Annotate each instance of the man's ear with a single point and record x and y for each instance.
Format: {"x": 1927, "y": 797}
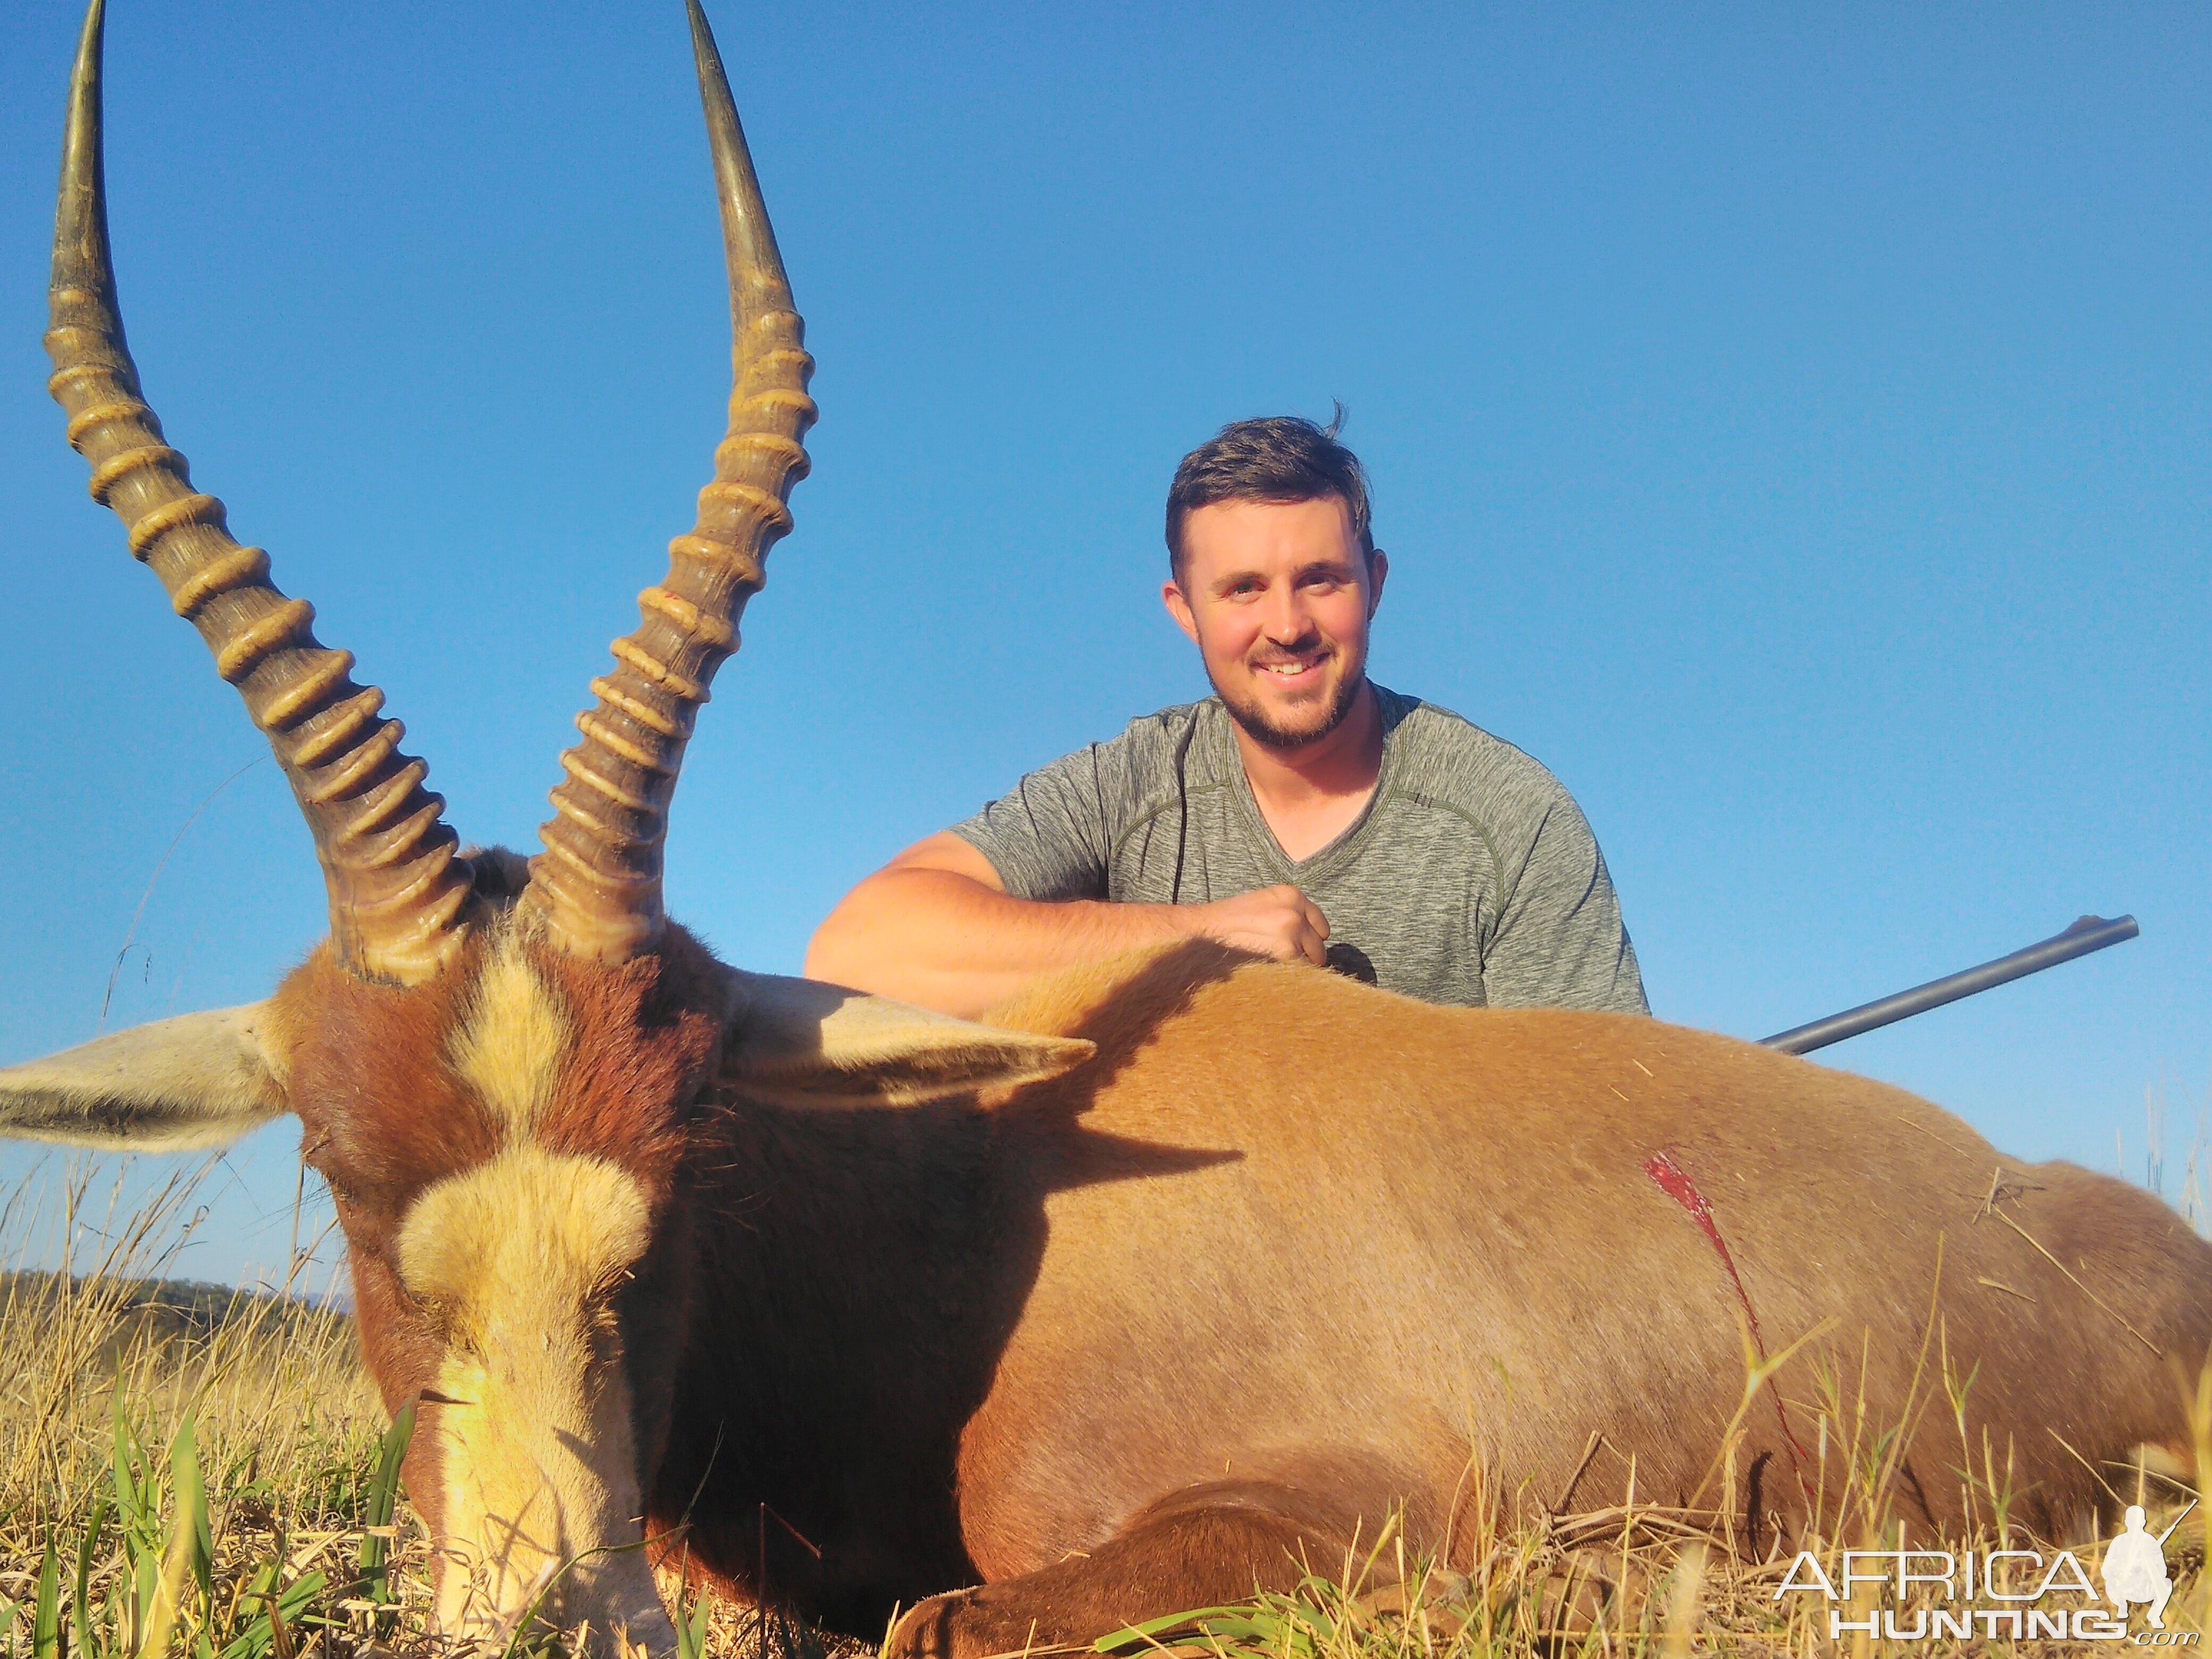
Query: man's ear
{"x": 1379, "y": 567}
{"x": 1178, "y": 605}
{"x": 803, "y": 1040}
{"x": 198, "y": 1080}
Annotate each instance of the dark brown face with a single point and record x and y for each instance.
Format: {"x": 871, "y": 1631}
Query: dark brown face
{"x": 505, "y": 1145}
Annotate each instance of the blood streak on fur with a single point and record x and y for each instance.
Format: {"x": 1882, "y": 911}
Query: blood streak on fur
{"x": 1674, "y": 1181}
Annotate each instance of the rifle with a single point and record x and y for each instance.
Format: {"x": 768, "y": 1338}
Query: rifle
{"x": 2176, "y": 1522}
{"x": 2089, "y": 934}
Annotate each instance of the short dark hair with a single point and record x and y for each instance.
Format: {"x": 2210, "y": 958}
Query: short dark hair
{"x": 1276, "y": 458}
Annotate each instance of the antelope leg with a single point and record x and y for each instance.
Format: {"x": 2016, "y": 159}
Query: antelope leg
{"x": 1216, "y": 1544}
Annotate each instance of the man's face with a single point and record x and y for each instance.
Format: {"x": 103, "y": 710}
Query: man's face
{"x": 1277, "y": 598}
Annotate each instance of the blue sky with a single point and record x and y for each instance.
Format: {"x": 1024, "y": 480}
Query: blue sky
{"x": 1793, "y": 426}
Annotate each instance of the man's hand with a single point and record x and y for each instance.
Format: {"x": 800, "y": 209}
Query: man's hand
{"x": 1275, "y": 921}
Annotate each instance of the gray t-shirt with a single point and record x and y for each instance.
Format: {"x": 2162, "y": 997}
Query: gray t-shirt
{"x": 1470, "y": 878}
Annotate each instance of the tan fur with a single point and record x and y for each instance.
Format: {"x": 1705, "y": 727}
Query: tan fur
{"x": 521, "y": 1258}
{"x": 1429, "y": 1235}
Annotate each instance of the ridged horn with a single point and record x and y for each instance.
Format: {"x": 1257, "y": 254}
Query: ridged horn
{"x": 396, "y": 882}
{"x": 596, "y": 883}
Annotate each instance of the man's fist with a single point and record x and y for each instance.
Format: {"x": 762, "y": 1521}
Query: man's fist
{"x": 1276, "y": 921}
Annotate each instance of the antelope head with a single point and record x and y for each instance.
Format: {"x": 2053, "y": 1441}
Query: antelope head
{"x": 499, "y": 1068}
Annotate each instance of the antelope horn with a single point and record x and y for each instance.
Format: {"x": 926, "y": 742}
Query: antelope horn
{"x": 396, "y": 884}
{"x": 596, "y": 885}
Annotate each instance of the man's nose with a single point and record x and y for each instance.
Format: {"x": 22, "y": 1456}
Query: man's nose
{"x": 1287, "y": 620}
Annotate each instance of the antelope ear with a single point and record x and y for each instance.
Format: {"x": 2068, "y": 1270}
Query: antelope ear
{"x": 198, "y": 1080}
{"x": 801, "y": 1039}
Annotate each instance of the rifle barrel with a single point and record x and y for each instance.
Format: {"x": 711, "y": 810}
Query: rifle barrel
{"x": 2176, "y": 1522}
{"x": 2089, "y": 934}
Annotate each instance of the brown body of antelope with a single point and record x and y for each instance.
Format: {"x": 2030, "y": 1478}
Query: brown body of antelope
{"x": 1170, "y": 1279}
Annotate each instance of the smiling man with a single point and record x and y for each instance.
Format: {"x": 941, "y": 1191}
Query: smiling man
{"x": 1301, "y": 813}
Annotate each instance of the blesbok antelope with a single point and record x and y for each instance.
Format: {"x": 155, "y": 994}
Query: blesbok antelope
{"x": 1170, "y": 1273}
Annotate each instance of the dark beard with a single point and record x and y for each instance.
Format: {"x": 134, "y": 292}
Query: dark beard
{"x": 1256, "y": 725}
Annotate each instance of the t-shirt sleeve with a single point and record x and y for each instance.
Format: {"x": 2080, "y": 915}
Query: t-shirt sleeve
{"x": 1559, "y": 941}
{"x": 1048, "y": 837}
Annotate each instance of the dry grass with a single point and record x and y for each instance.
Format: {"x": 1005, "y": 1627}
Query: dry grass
{"x": 109, "y": 1372}
{"x": 280, "y": 1402}
{"x": 247, "y": 1513}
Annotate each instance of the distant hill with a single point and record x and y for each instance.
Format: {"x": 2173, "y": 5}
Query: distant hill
{"x": 166, "y": 1310}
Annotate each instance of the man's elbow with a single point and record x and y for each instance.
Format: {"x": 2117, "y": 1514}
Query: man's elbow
{"x": 870, "y": 940}
{"x": 840, "y": 949}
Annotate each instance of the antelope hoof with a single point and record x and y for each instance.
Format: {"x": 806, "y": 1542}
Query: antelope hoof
{"x": 932, "y": 1630}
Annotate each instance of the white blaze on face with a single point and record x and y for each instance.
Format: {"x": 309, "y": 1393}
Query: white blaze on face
{"x": 521, "y": 1259}
{"x": 511, "y": 1047}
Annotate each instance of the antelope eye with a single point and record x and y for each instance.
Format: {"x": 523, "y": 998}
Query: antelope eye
{"x": 435, "y": 1310}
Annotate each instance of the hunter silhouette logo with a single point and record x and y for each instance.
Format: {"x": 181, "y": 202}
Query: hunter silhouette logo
{"x": 2135, "y": 1566}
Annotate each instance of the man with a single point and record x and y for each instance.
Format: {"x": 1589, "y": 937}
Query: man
{"x": 1302, "y": 812}
{"x": 2134, "y": 1568}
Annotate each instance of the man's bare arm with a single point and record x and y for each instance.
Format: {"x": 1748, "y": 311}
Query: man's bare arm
{"x": 936, "y": 927}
